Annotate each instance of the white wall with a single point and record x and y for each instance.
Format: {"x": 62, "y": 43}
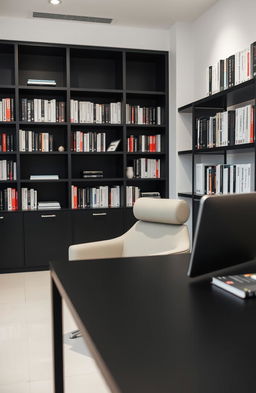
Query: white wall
{"x": 70, "y": 32}
{"x": 227, "y": 27}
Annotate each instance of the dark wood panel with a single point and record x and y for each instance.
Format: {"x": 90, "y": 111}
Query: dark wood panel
{"x": 47, "y": 237}
{"x": 94, "y": 225}
{"x": 11, "y": 240}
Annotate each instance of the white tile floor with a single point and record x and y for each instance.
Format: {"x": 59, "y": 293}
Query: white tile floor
{"x": 25, "y": 340}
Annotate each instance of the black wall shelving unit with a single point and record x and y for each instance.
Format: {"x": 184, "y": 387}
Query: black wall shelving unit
{"x": 209, "y": 106}
{"x": 30, "y": 239}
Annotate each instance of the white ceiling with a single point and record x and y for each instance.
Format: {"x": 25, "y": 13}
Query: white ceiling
{"x": 145, "y": 13}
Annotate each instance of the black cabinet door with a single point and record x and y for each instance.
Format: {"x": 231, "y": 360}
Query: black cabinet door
{"x": 47, "y": 237}
{"x": 11, "y": 240}
{"x": 94, "y": 225}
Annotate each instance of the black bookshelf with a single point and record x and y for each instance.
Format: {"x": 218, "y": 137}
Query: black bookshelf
{"x": 100, "y": 75}
{"x": 209, "y": 106}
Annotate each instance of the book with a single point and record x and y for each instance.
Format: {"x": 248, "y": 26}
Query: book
{"x": 41, "y": 82}
{"x": 44, "y": 177}
{"x": 242, "y": 285}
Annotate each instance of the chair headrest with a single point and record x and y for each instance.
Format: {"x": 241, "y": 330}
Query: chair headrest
{"x": 165, "y": 211}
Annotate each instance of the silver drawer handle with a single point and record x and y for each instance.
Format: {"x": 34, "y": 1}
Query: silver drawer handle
{"x": 1, "y": 217}
{"x": 99, "y": 214}
{"x": 48, "y": 215}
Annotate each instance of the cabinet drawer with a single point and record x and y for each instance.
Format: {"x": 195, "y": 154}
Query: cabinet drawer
{"x": 11, "y": 240}
{"x": 47, "y": 237}
{"x": 97, "y": 224}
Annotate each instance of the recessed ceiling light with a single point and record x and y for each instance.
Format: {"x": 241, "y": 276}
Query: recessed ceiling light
{"x": 55, "y": 2}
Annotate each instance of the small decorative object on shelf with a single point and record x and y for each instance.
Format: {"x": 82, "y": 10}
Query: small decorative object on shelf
{"x": 49, "y": 205}
{"x": 44, "y": 177}
{"x": 113, "y": 145}
{"x": 92, "y": 174}
{"x": 129, "y": 172}
{"x": 61, "y": 149}
{"x": 41, "y": 82}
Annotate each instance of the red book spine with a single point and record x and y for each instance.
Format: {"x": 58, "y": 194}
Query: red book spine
{"x": 8, "y": 109}
{"x": 252, "y": 125}
{"x": 13, "y": 198}
{"x": 4, "y": 146}
{"x": 154, "y": 142}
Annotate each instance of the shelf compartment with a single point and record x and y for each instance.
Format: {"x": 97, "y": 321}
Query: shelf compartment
{"x": 112, "y": 166}
{"x": 222, "y": 149}
{"x": 38, "y": 164}
{"x": 42, "y": 62}
{"x": 7, "y": 73}
{"x": 219, "y": 99}
{"x": 145, "y": 72}
{"x": 95, "y": 69}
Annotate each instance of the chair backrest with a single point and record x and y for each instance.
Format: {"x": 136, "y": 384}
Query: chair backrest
{"x": 160, "y": 229}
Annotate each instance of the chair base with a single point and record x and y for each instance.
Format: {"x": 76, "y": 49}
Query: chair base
{"x": 75, "y": 334}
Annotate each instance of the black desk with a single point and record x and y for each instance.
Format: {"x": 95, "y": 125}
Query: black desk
{"x": 153, "y": 330}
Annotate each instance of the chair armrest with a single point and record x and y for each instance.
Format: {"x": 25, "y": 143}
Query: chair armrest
{"x": 112, "y": 248}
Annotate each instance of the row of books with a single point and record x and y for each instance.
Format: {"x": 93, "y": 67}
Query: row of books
{"x": 8, "y": 170}
{"x": 9, "y": 199}
{"x": 136, "y": 114}
{"x": 88, "y": 141}
{"x": 39, "y": 110}
{"x": 146, "y": 168}
{"x": 133, "y": 193}
{"x": 227, "y": 128}
{"x": 223, "y": 178}
{"x": 232, "y": 71}
{"x": 95, "y": 197}
{"x": 35, "y": 141}
{"x": 90, "y": 112}
{"x": 144, "y": 143}
{"x": 7, "y": 109}
{"x": 7, "y": 142}
{"x": 28, "y": 199}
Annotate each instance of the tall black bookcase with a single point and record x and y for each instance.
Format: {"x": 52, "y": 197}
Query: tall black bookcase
{"x": 30, "y": 239}
{"x": 209, "y": 106}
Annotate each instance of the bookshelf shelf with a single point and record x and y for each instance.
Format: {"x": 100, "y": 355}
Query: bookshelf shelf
{"x": 98, "y": 75}
{"x": 44, "y": 181}
{"x": 145, "y": 93}
{"x": 51, "y": 89}
{"x": 228, "y": 99}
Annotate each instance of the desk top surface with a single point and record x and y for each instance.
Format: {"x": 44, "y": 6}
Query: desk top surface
{"x": 152, "y": 329}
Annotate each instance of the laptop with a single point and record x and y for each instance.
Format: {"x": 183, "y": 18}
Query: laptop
{"x": 225, "y": 233}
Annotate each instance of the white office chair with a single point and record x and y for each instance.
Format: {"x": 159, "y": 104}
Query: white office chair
{"x": 160, "y": 230}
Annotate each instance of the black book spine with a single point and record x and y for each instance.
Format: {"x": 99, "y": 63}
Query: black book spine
{"x": 210, "y": 80}
{"x": 232, "y": 70}
{"x": 12, "y": 109}
{"x": 231, "y": 128}
{"x": 253, "y": 59}
{"x": 221, "y": 74}
{"x": 1, "y": 200}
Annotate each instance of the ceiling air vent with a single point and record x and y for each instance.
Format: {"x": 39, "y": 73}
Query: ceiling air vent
{"x": 94, "y": 19}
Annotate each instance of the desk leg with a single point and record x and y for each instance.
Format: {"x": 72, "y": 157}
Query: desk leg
{"x": 58, "y": 374}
